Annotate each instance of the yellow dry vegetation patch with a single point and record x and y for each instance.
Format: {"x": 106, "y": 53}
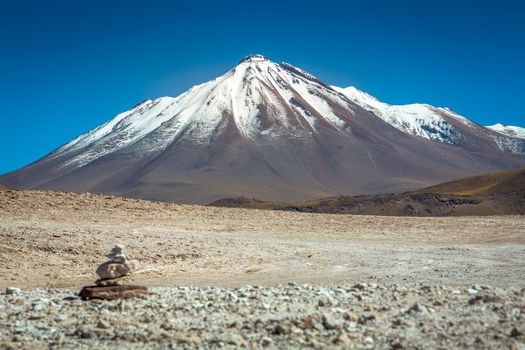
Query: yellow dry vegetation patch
{"x": 476, "y": 185}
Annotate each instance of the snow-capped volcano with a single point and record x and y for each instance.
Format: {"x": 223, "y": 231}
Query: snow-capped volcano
{"x": 257, "y": 94}
{"x": 274, "y": 132}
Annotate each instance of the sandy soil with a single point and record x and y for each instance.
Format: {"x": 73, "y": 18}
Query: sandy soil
{"x": 50, "y": 239}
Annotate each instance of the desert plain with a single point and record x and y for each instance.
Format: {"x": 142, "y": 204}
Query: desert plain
{"x": 54, "y": 239}
{"x": 52, "y": 242}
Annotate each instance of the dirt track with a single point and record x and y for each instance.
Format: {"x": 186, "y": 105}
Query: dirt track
{"x": 57, "y": 239}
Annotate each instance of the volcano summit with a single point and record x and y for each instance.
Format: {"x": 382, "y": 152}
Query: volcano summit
{"x": 275, "y": 132}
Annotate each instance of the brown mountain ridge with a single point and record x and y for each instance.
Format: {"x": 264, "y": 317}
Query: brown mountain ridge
{"x": 500, "y": 193}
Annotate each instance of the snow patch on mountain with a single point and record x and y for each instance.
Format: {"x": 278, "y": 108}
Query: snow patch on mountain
{"x": 416, "y": 119}
{"x": 509, "y": 130}
{"x": 509, "y": 144}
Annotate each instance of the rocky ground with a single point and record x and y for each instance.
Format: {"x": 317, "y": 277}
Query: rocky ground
{"x": 422, "y": 279}
{"x": 360, "y": 316}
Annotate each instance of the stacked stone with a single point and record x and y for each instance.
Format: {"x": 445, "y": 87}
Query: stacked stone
{"x": 113, "y": 279}
{"x": 114, "y": 271}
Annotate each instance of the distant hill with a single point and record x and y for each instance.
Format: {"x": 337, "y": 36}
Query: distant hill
{"x": 504, "y": 182}
{"x": 490, "y": 194}
{"x": 3, "y": 188}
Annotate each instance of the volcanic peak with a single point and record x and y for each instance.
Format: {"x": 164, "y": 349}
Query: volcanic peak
{"x": 254, "y": 58}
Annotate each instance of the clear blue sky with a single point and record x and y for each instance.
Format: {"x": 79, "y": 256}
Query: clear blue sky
{"x": 68, "y": 66}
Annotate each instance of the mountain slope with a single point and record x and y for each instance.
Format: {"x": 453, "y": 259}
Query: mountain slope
{"x": 439, "y": 124}
{"x": 265, "y": 130}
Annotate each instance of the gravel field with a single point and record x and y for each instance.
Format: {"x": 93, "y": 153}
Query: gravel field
{"x": 360, "y": 316}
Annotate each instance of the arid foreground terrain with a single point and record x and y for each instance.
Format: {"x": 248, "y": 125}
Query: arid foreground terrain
{"x": 253, "y": 278}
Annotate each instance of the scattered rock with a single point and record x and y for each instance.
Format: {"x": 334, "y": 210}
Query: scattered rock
{"x": 13, "y": 291}
{"x": 281, "y": 330}
{"x": 360, "y": 286}
{"x": 237, "y": 339}
{"x": 368, "y": 340}
{"x": 472, "y": 291}
{"x": 515, "y": 333}
{"x": 60, "y": 318}
{"x": 103, "y": 324}
{"x": 397, "y": 346}
{"x": 343, "y": 339}
{"x": 417, "y": 307}
{"x": 266, "y": 341}
{"x": 329, "y": 323}
{"x": 482, "y": 299}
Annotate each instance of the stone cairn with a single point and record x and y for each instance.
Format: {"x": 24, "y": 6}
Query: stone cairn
{"x": 113, "y": 278}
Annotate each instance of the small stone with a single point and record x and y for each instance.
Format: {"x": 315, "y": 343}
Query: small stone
{"x": 368, "y": 340}
{"x": 325, "y": 301}
{"x": 478, "y": 299}
{"x": 192, "y": 340}
{"x": 360, "y": 286}
{"x": 103, "y": 324}
{"x": 237, "y": 339}
{"x": 232, "y": 297}
{"x": 236, "y": 324}
{"x": 350, "y": 316}
{"x": 85, "y": 332}
{"x": 13, "y": 291}
{"x": 329, "y": 323}
{"x": 417, "y": 307}
{"x": 472, "y": 291}
{"x": 281, "y": 330}
{"x": 60, "y": 318}
{"x": 397, "y": 346}
{"x": 38, "y": 307}
{"x": 515, "y": 333}
{"x": 343, "y": 339}
{"x": 266, "y": 341}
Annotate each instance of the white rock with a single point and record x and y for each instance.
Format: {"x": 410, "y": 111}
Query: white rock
{"x": 38, "y": 307}
{"x": 60, "y": 318}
